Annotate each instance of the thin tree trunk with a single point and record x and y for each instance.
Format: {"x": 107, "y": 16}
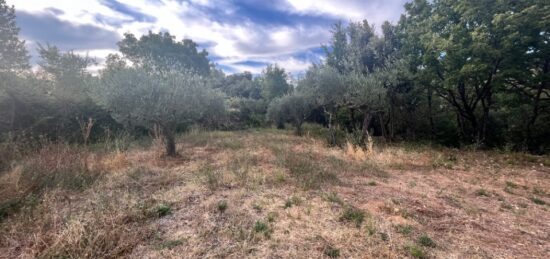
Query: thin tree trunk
{"x": 430, "y": 114}
{"x": 170, "y": 140}
{"x": 365, "y": 137}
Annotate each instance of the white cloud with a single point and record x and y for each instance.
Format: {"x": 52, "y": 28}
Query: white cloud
{"x": 233, "y": 42}
{"x": 376, "y": 11}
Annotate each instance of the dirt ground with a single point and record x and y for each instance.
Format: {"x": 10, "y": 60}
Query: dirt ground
{"x": 269, "y": 194}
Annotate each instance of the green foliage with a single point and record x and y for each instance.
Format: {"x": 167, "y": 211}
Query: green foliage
{"x": 274, "y": 82}
{"x": 293, "y": 108}
{"x": 13, "y": 54}
{"x": 160, "y": 52}
{"x": 169, "y": 100}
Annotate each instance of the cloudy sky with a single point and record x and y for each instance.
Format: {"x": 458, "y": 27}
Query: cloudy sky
{"x": 238, "y": 34}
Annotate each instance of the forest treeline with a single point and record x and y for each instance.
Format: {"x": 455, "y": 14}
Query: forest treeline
{"x": 458, "y": 73}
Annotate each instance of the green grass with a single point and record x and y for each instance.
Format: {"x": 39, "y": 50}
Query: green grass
{"x": 537, "y": 201}
{"x": 404, "y": 229}
{"x": 425, "y": 240}
{"x": 351, "y": 214}
{"x": 416, "y": 252}
{"x": 163, "y": 210}
{"x": 482, "y": 192}
{"x": 292, "y": 201}
{"x": 333, "y": 197}
{"x": 222, "y": 206}
{"x": 332, "y": 252}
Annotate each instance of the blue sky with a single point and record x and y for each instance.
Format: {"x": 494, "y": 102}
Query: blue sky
{"x": 240, "y": 35}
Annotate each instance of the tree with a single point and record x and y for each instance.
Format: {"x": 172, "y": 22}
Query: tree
{"x": 526, "y": 73}
{"x": 170, "y": 100}
{"x": 274, "y": 82}
{"x": 293, "y": 108}
{"x": 161, "y": 52}
{"x": 13, "y": 54}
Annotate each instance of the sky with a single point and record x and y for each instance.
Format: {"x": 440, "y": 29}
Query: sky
{"x": 239, "y": 35}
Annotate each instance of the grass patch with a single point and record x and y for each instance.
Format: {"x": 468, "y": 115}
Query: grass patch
{"x": 333, "y": 197}
{"x": 351, "y": 214}
{"x": 416, "y": 252}
{"x": 537, "y": 201}
{"x": 374, "y": 170}
{"x": 292, "y": 201}
{"x": 511, "y": 184}
{"x": 482, "y": 192}
{"x": 222, "y": 206}
{"x": 425, "y": 240}
{"x": 332, "y": 252}
{"x": 307, "y": 172}
{"x": 404, "y": 229}
{"x": 169, "y": 244}
{"x": 163, "y": 210}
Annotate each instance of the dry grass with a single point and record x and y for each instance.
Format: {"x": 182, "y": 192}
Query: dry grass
{"x": 267, "y": 193}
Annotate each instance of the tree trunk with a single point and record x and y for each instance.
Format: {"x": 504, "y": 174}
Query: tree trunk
{"x": 365, "y": 137}
{"x": 298, "y": 129}
{"x": 430, "y": 114}
{"x": 170, "y": 141}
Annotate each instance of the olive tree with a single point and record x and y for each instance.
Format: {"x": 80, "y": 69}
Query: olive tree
{"x": 293, "y": 108}
{"x": 168, "y": 100}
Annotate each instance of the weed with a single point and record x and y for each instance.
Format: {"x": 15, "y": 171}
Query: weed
{"x": 292, "y": 201}
{"x": 271, "y": 216}
{"x": 163, "y": 210}
{"x": 169, "y": 244}
{"x": 352, "y": 214}
{"x": 260, "y": 226}
{"x": 482, "y": 192}
{"x": 371, "y": 228}
{"x": 506, "y": 205}
{"x": 404, "y": 229}
{"x": 332, "y": 252}
{"x": 416, "y": 252}
{"x": 9, "y": 207}
{"x": 537, "y": 201}
{"x": 384, "y": 236}
{"x": 538, "y": 191}
{"x": 333, "y": 197}
{"x": 213, "y": 177}
{"x": 374, "y": 170}
{"x": 257, "y": 207}
{"x": 372, "y": 183}
{"x": 222, "y": 206}
{"x": 57, "y": 166}
{"x": 308, "y": 173}
{"x": 425, "y": 240}
{"x": 511, "y": 184}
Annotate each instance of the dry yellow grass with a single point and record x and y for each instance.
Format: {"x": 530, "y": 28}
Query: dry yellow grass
{"x": 287, "y": 197}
